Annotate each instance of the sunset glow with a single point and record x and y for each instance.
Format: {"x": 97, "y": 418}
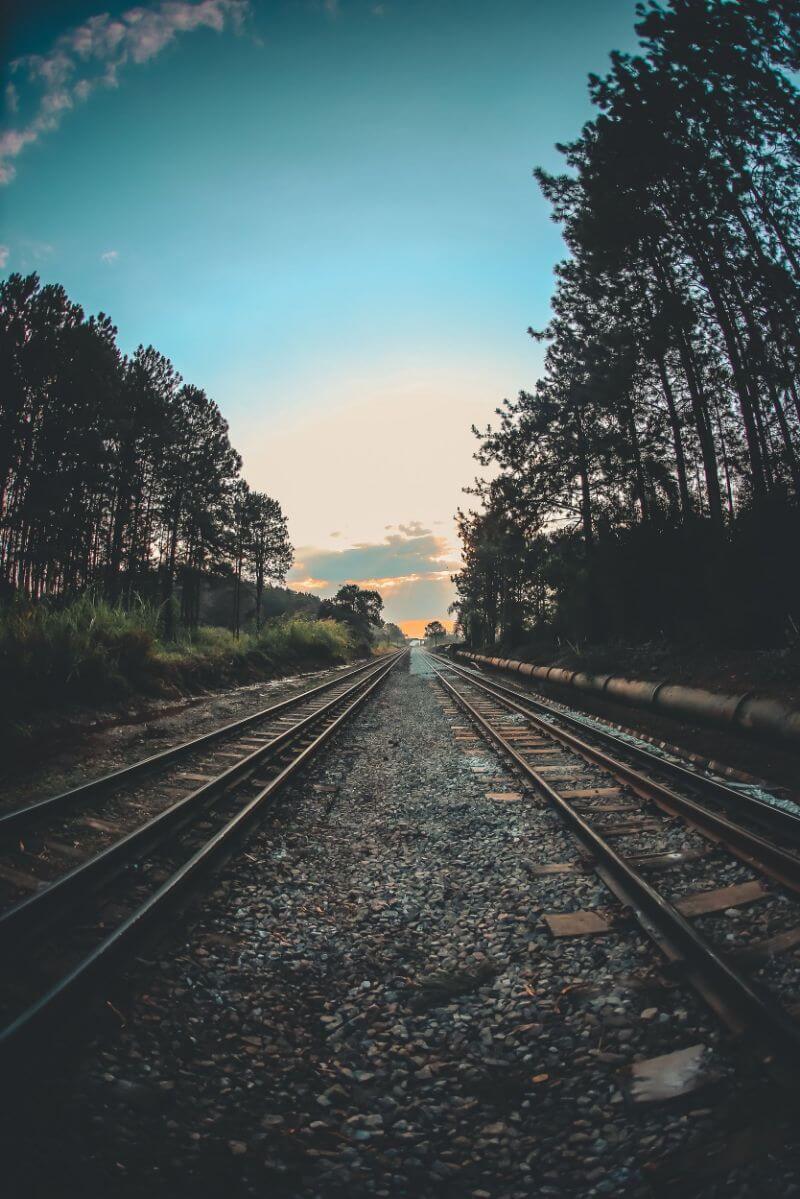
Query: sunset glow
{"x": 416, "y": 628}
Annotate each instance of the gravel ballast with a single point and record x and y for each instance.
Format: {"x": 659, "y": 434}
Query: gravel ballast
{"x": 368, "y": 1001}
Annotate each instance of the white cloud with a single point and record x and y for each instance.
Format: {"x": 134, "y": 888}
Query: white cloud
{"x": 92, "y": 55}
{"x": 109, "y": 256}
{"x": 4, "y": 253}
{"x": 31, "y": 255}
{"x": 410, "y": 555}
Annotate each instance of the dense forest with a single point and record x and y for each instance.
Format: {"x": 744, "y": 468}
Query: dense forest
{"x": 649, "y": 485}
{"x": 115, "y": 475}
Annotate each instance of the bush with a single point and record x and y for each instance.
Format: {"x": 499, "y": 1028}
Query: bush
{"x": 90, "y": 651}
{"x": 683, "y": 583}
{"x": 299, "y": 641}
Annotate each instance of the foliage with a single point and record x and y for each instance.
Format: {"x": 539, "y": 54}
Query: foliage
{"x": 114, "y": 474}
{"x": 357, "y": 607}
{"x": 663, "y": 440}
{"x": 89, "y": 648}
{"x": 434, "y": 631}
{"x": 388, "y": 637}
{"x": 217, "y": 599}
{"x": 93, "y": 651}
{"x": 298, "y": 642}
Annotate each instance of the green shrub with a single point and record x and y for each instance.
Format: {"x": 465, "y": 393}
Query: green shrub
{"x": 88, "y": 649}
{"x": 299, "y": 641}
{"x": 91, "y": 651}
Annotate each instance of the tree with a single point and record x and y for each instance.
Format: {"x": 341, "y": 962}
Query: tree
{"x": 434, "y": 631}
{"x": 114, "y": 474}
{"x": 392, "y": 634}
{"x": 666, "y": 424}
{"x": 268, "y": 552}
{"x": 356, "y": 606}
{"x": 239, "y": 540}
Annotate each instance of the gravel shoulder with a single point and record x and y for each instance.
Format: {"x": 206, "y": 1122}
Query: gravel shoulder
{"x": 368, "y": 1002}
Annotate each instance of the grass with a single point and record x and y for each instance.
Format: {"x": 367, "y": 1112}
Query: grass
{"x": 92, "y": 652}
{"x": 86, "y": 648}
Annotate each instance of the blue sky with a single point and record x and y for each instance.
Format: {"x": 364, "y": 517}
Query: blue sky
{"x": 324, "y": 214}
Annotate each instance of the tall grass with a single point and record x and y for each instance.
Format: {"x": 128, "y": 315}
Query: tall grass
{"x": 299, "y": 641}
{"x": 90, "y": 651}
{"x": 87, "y": 648}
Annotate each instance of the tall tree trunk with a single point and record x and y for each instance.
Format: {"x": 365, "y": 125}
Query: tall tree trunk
{"x": 748, "y": 402}
{"x": 677, "y": 436}
{"x": 259, "y": 596}
{"x": 700, "y": 408}
{"x": 587, "y": 522}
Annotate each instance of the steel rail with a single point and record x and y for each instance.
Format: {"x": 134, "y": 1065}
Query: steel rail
{"x": 727, "y": 991}
{"x": 775, "y": 820}
{"x": 58, "y": 898}
{"x": 766, "y": 856}
{"x": 11, "y": 823}
{"x": 24, "y": 1034}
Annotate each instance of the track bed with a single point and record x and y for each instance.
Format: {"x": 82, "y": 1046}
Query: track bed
{"x": 370, "y": 1002}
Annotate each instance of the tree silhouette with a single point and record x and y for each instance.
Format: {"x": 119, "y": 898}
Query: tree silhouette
{"x": 356, "y": 606}
{"x": 666, "y": 426}
{"x": 268, "y": 552}
{"x": 114, "y": 474}
{"x": 393, "y": 634}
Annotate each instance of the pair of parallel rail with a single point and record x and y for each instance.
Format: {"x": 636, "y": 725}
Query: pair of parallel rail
{"x": 60, "y": 941}
{"x": 764, "y": 837}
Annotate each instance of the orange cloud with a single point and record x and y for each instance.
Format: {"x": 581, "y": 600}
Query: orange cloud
{"x": 411, "y": 569}
{"x": 308, "y": 584}
{"x": 385, "y": 583}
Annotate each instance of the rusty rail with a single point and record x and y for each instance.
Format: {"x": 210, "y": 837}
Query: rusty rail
{"x": 741, "y": 1005}
{"x": 37, "y": 1030}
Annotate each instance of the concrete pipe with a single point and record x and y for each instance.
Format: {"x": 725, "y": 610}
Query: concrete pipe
{"x": 714, "y": 707}
{"x": 590, "y": 682}
{"x": 758, "y": 715}
{"x": 761, "y": 715}
{"x": 632, "y": 691}
{"x": 557, "y": 675}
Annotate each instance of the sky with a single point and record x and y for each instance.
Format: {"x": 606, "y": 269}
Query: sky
{"x": 323, "y": 212}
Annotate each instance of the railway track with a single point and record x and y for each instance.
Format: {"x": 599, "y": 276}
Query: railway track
{"x": 741, "y": 800}
{"x": 144, "y": 836}
{"x": 661, "y": 821}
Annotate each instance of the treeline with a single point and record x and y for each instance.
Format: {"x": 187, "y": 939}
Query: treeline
{"x": 115, "y": 475}
{"x": 649, "y": 484}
